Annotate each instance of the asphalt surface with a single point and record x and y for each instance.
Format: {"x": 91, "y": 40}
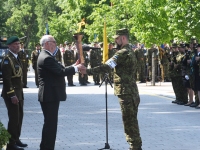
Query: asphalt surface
{"x": 82, "y": 119}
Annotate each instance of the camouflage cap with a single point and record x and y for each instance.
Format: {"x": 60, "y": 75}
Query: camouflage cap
{"x": 119, "y": 32}
{"x": 37, "y": 44}
{"x": 12, "y": 39}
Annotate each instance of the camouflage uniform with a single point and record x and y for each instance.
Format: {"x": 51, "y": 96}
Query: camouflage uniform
{"x": 83, "y": 78}
{"x": 23, "y": 56}
{"x": 34, "y": 57}
{"x": 126, "y": 89}
{"x": 164, "y": 65}
{"x": 149, "y": 61}
{"x": 70, "y": 57}
{"x": 95, "y": 60}
{"x": 140, "y": 65}
{"x": 110, "y": 54}
{"x": 176, "y": 78}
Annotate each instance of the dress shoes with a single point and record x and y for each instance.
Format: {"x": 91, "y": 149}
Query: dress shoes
{"x": 13, "y": 147}
{"x": 25, "y": 86}
{"x": 71, "y": 85}
{"x": 198, "y": 107}
{"x": 181, "y": 103}
{"x": 188, "y": 104}
{"x": 194, "y": 105}
{"x": 20, "y": 144}
{"x": 88, "y": 82}
{"x": 83, "y": 84}
{"x": 97, "y": 83}
{"x": 175, "y": 101}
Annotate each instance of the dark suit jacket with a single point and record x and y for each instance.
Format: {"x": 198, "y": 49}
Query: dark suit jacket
{"x": 12, "y": 77}
{"x": 51, "y": 75}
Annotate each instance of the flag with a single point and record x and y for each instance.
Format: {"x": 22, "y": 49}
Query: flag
{"x": 105, "y": 44}
{"x": 47, "y": 29}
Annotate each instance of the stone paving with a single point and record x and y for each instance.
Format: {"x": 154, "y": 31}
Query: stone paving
{"x": 82, "y": 121}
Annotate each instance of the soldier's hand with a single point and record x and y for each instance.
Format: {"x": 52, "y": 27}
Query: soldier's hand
{"x": 77, "y": 62}
{"x": 14, "y": 100}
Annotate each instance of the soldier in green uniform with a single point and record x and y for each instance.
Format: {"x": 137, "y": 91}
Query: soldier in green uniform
{"x": 111, "y": 52}
{"x": 141, "y": 64}
{"x": 83, "y": 78}
{"x": 149, "y": 61}
{"x": 95, "y": 60}
{"x": 58, "y": 55}
{"x": 124, "y": 63}
{"x": 23, "y": 56}
{"x": 34, "y": 57}
{"x": 12, "y": 93}
{"x": 176, "y": 77}
{"x": 70, "y": 57}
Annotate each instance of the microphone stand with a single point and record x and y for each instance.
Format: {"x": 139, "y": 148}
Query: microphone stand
{"x": 106, "y": 80}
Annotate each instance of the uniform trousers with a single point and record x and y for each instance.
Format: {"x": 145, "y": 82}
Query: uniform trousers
{"x": 15, "y": 116}
{"x": 70, "y": 79}
{"x": 129, "y": 116}
{"x": 49, "y": 131}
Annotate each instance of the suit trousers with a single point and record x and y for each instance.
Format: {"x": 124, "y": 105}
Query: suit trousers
{"x": 70, "y": 79}
{"x": 49, "y": 131}
{"x": 15, "y": 116}
{"x": 36, "y": 77}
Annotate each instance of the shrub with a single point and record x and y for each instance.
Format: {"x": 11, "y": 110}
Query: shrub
{"x": 4, "y": 136}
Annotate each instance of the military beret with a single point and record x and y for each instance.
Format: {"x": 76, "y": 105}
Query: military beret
{"x": 12, "y": 39}
{"x": 119, "y": 32}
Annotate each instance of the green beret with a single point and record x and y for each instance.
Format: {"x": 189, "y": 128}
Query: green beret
{"x": 12, "y": 39}
{"x": 119, "y": 32}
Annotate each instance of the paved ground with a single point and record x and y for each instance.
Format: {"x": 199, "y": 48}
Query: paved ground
{"x": 163, "y": 125}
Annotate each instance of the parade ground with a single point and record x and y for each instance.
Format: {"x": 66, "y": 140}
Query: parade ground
{"x": 82, "y": 119}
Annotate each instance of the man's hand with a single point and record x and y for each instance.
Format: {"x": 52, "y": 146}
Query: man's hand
{"x": 81, "y": 68}
{"x": 14, "y": 100}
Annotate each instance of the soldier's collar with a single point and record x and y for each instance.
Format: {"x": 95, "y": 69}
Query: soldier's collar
{"x": 13, "y": 54}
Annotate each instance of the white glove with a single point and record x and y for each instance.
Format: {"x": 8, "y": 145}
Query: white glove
{"x": 187, "y": 77}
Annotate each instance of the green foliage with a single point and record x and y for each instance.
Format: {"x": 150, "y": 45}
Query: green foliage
{"x": 4, "y": 136}
{"x": 149, "y": 21}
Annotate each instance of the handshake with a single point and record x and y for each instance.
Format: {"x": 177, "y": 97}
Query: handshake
{"x": 81, "y": 68}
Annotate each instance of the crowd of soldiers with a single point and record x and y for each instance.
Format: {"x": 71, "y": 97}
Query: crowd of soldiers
{"x": 178, "y": 63}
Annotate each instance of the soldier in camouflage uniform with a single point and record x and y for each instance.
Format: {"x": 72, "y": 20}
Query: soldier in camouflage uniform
{"x": 34, "y": 57}
{"x": 12, "y": 93}
{"x": 95, "y": 60}
{"x": 23, "y": 56}
{"x": 124, "y": 63}
{"x": 70, "y": 57}
{"x": 176, "y": 78}
{"x": 149, "y": 62}
{"x": 141, "y": 64}
{"x": 83, "y": 78}
{"x": 111, "y": 52}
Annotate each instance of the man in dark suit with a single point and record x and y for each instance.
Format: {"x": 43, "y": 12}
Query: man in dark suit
{"x": 52, "y": 88}
{"x": 12, "y": 93}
